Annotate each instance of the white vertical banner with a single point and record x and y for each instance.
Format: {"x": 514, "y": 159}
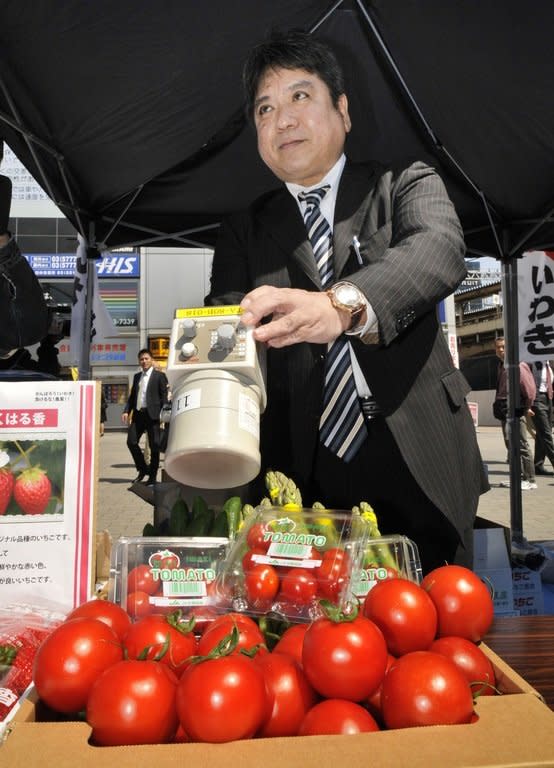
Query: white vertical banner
{"x": 535, "y": 296}
{"x": 102, "y": 325}
{"x": 49, "y": 467}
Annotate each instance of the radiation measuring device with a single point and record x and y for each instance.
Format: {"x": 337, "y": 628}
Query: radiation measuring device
{"x": 216, "y": 371}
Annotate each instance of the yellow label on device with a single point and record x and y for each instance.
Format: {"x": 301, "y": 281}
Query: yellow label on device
{"x": 208, "y": 311}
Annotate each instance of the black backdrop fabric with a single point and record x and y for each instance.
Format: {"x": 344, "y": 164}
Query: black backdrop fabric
{"x": 129, "y": 113}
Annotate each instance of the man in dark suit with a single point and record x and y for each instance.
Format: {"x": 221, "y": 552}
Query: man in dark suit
{"x": 142, "y": 414}
{"x": 542, "y": 416}
{"x": 395, "y": 252}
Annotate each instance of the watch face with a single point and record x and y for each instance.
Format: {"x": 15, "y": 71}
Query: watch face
{"x": 348, "y": 295}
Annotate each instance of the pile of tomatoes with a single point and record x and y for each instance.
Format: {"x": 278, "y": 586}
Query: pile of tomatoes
{"x": 408, "y": 656}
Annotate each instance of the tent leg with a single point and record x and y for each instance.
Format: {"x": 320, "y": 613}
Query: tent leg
{"x": 523, "y": 552}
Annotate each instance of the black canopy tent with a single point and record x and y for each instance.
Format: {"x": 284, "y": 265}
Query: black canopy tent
{"x": 130, "y": 115}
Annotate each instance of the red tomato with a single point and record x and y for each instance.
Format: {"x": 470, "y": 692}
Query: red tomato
{"x": 464, "y": 604}
{"x": 110, "y": 613}
{"x": 291, "y": 641}
{"x": 471, "y": 660}
{"x": 70, "y": 659}
{"x": 331, "y": 577}
{"x": 298, "y": 586}
{"x": 256, "y": 537}
{"x": 222, "y": 699}
{"x": 248, "y": 560}
{"x": 133, "y": 702}
{"x": 344, "y": 659}
{"x": 336, "y": 554}
{"x": 140, "y": 579}
{"x": 290, "y": 695}
{"x": 161, "y": 638}
{"x": 261, "y": 584}
{"x": 250, "y": 635}
{"x": 337, "y": 716}
{"x": 138, "y": 604}
{"x": 405, "y": 614}
{"x": 425, "y": 688}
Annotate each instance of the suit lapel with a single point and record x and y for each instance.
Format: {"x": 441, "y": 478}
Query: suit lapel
{"x": 282, "y": 220}
{"x": 353, "y": 197}
{"x": 285, "y": 226}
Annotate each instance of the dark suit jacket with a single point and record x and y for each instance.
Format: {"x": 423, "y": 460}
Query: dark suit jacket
{"x": 412, "y": 247}
{"x": 156, "y": 394}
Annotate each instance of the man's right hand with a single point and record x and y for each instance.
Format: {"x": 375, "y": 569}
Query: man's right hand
{"x": 125, "y": 418}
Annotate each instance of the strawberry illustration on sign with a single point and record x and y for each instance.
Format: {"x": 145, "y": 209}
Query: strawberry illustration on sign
{"x": 6, "y": 488}
{"x": 32, "y": 491}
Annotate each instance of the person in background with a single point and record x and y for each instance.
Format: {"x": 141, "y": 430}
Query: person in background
{"x": 23, "y": 310}
{"x": 142, "y": 414}
{"x": 500, "y": 410}
{"x": 342, "y": 268}
{"x": 103, "y": 410}
{"x": 542, "y": 416}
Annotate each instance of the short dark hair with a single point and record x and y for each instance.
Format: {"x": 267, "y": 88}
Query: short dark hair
{"x": 144, "y": 352}
{"x": 294, "y": 49}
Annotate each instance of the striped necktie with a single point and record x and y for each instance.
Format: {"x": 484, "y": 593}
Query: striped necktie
{"x": 341, "y": 427}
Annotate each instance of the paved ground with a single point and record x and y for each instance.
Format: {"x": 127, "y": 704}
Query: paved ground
{"x": 123, "y": 513}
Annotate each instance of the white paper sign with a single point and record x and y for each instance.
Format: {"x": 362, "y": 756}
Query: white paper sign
{"x": 48, "y": 444}
{"x": 535, "y": 296}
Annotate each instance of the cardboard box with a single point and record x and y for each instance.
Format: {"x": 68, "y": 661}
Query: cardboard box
{"x": 515, "y": 729}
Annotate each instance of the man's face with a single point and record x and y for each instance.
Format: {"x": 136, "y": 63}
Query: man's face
{"x": 500, "y": 349}
{"x": 145, "y": 362}
{"x": 301, "y": 133}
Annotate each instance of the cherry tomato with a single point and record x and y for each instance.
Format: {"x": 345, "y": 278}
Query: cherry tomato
{"x": 299, "y": 586}
{"x": 337, "y": 716}
{"x": 140, "y": 579}
{"x": 104, "y": 610}
{"x": 471, "y": 660}
{"x": 425, "y": 688}
{"x": 161, "y": 638}
{"x": 261, "y": 584}
{"x": 464, "y": 604}
{"x": 138, "y": 604}
{"x": 250, "y": 635}
{"x": 222, "y": 699}
{"x": 248, "y": 559}
{"x": 291, "y": 642}
{"x": 133, "y": 702}
{"x": 331, "y": 577}
{"x": 290, "y": 695}
{"x": 344, "y": 659}
{"x": 256, "y": 537}
{"x": 70, "y": 659}
{"x": 405, "y": 614}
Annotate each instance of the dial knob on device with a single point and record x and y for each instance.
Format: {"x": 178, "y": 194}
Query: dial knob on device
{"x": 188, "y": 349}
{"x": 189, "y": 328}
{"x": 226, "y": 336}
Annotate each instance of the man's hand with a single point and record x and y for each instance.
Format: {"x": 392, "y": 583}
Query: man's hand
{"x": 296, "y": 316}
{"x": 125, "y": 418}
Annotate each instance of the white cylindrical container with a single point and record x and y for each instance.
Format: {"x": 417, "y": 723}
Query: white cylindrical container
{"x": 214, "y": 435}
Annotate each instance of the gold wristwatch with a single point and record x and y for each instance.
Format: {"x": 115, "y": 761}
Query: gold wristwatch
{"x": 348, "y": 297}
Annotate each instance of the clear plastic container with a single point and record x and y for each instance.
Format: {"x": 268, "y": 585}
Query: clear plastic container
{"x": 285, "y": 561}
{"x": 386, "y": 557}
{"x": 160, "y": 575}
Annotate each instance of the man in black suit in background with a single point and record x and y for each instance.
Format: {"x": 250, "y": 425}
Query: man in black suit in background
{"x": 142, "y": 414}
{"x": 395, "y": 250}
